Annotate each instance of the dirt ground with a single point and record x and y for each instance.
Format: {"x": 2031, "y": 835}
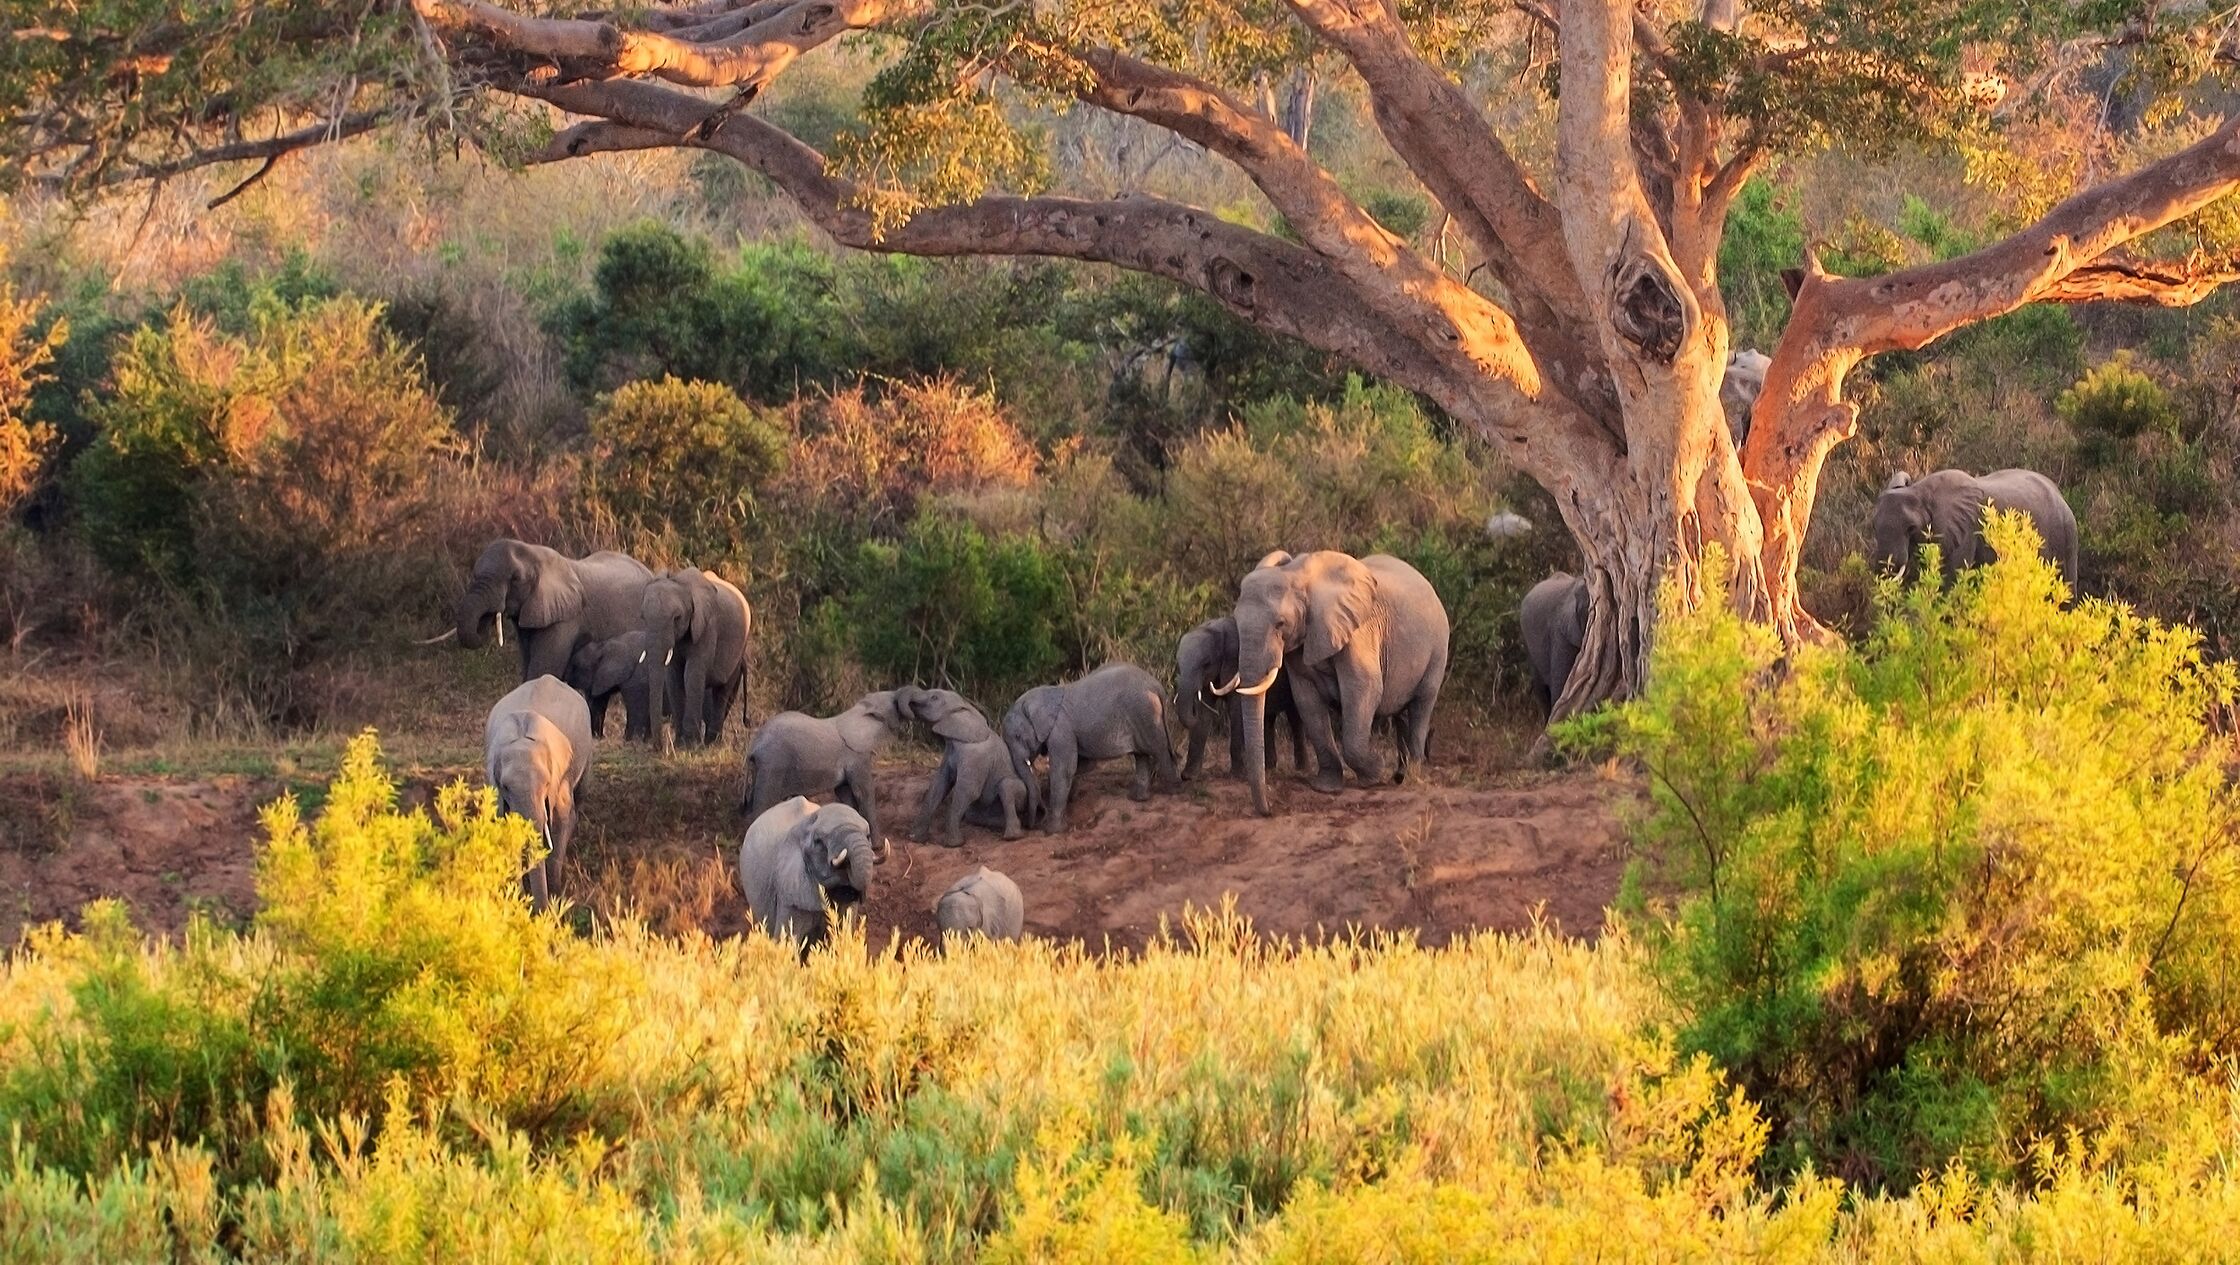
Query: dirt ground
{"x": 1441, "y": 858}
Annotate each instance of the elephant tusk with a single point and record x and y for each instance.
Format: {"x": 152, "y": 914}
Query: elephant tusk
{"x": 446, "y": 635}
{"x": 665, "y": 658}
{"x": 1224, "y": 689}
{"x": 501, "y": 632}
{"x": 641, "y": 656}
{"x": 1262, "y": 688}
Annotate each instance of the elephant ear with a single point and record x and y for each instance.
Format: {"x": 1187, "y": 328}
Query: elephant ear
{"x": 956, "y": 720}
{"x": 1956, "y": 516}
{"x": 550, "y": 593}
{"x": 864, "y": 726}
{"x": 1899, "y": 480}
{"x": 702, "y": 597}
{"x": 1339, "y": 600}
{"x": 1273, "y": 558}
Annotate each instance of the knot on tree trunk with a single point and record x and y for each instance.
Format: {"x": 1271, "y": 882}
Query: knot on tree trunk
{"x": 1646, "y": 308}
{"x": 1231, "y": 283}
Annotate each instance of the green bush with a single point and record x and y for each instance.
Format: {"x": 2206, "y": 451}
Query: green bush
{"x": 1953, "y": 894}
{"x": 1763, "y": 237}
{"x": 2114, "y": 403}
{"x": 683, "y": 457}
{"x": 947, "y": 605}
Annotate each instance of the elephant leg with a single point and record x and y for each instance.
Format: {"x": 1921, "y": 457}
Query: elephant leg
{"x": 1194, "y": 759}
{"x": 1268, "y": 740}
{"x": 944, "y": 778}
{"x": 721, "y": 700}
{"x": 555, "y": 864}
{"x": 1139, "y": 787}
{"x": 1360, "y": 690}
{"x": 693, "y": 719}
{"x": 1298, "y": 736}
{"x": 952, "y": 829}
{"x": 856, "y": 783}
{"x": 598, "y": 705}
{"x": 1065, "y": 758}
{"x": 540, "y": 891}
{"x": 547, "y": 651}
{"x": 1014, "y": 797}
{"x": 1156, "y": 754}
{"x": 1314, "y": 713}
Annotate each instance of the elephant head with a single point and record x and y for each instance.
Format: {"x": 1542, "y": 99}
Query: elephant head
{"x": 1206, "y": 658}
{"x": 1310, "y": 606}
{"x": 947, "y": 713}
{"x": 533, "y": 585}
{"x": 873, "y": 720}
{"x": 530, "y": 774}
{"x": 1026, "y": 732}
{"x": 1941, "y": 508}
{"x": 1739, "y": 389}
{"x": 837, "y": 853}
{"x": 599, "y": 668}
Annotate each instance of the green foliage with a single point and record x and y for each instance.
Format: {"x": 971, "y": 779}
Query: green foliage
{"x": 1952, "y": 895}
{"x": 2114, "y": 403}
{"x": 947, "y": 605}
{"x": 1763, "y": 236}
{"x": 687, "y": 457}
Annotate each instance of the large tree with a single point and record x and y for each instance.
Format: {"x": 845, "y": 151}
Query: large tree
{"x": 1587, "y": 341}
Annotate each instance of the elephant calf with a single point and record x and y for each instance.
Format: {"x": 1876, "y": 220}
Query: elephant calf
{"x": 603, "y": 669}
{"x": 796, "y": 858}
{"x": 1948, "y": 507}
{"x": 829, "y": 757}
{"x": 985, "y": 901}
{"x": 537, "y": 753}
{"x": 1117, "y": 710}
{"x": 1554, "y": 619}
{"x": 975, "y": 779}
{"x": 1205, "y": 668}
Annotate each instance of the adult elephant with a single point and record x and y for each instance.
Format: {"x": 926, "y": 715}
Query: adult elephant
{"x": 1948, "y": 507}
{"x": 1554, "y": 619}
{"x": 702, "y": 621}
{"x": 555, "y": 601}
{"x": 1362, "y": 637}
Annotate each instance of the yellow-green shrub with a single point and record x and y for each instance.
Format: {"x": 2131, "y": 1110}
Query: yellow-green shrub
{"x": 1968, "y": 887}
{"x": 679, "y": 456}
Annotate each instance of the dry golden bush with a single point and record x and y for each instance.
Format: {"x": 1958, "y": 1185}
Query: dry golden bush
{"x": 882, "y": 450}
{"x": 24, "y": 356}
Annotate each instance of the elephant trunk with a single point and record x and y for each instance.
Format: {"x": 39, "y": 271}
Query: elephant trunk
{"x": 1022, "y": 764}
{"x": 1257, "y": 663}
{"x": 861, "y": 857}
{"x": 659, "y": 650}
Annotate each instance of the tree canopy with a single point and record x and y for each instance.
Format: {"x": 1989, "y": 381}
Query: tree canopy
{"x": 1584, "y": 333}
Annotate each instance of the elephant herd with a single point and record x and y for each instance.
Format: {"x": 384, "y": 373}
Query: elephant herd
{"x": 1332, "y": 645}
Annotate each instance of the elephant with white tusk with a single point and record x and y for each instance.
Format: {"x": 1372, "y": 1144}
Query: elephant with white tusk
{"x": 556, "y": 602}
{"x": 1205, "y": 683}
{"x": 537, "y": 748}
{"x": 830, "y": 757}
{"x": 1117, "y": 710}
{"x": 1948, "y": 508}
{"x": 976, "y": 778}
{"x": 800, "y": 863}
{"x": 1363, "y": 638}
{"x": 985, "y": 902}
{"x": 1554, "y": 619}
{"x": 698, "y": 623}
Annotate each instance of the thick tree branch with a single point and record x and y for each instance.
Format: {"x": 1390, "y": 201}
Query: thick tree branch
{"x": 1439, "y": 132}
{"x": 581, "y": 48}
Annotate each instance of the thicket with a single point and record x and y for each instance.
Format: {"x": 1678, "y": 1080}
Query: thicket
{"x": 1964, "y": 893}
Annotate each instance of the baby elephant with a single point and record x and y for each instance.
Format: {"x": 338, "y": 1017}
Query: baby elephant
{"x": 1117, "y": 710}
{"x": 1205, "y": 664}
{"x": 536, "y": 752}
{"x": 984, "y": 901}
{"x": 798, "y": 856}
{"x": 603, "y": 669}
{"x": 1554, "y": 620}
{"x": 975, "y": 779}
{"x": 829, "y": 757}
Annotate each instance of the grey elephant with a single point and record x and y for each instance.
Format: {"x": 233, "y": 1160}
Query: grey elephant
{"x": 799, "y": 863}
{"x": 537, "y": 749}
{"x": 1554, "y": 619}
{"x": 976, "y": 779}
{"x": 986, "y": 902}
{"x": 829, "y": 757}
{"x": 617, "y": 666}
{"x": 1363, "y": 637}
{"x": 556, "y": 602}
{"x": 1739, "y": 389}
{"x": 1948, "y": 507}
{"x": 1117, "y": 710}
{"x": 1205, "y": 660}
{"x": 700, "y": 621}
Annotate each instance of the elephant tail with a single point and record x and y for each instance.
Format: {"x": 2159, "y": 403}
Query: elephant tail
{"x": 746, "y": 802}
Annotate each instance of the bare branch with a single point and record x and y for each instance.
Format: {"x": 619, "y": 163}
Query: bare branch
{"x": 270, "y": 150}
